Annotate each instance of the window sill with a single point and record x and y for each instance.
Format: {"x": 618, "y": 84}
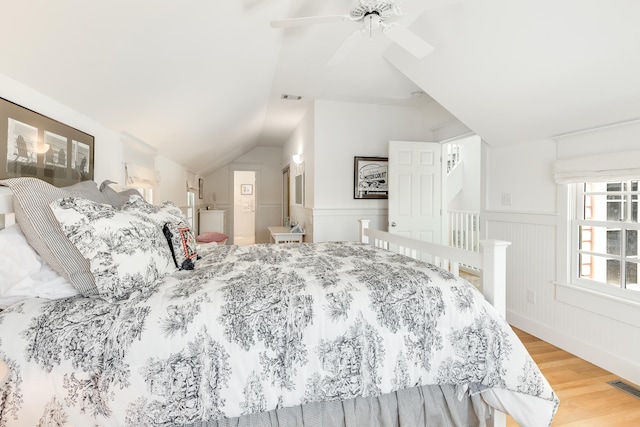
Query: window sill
{"x": 616, "y": 308}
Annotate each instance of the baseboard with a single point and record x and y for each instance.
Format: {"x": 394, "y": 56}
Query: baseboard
{"x": 625, "y": 369}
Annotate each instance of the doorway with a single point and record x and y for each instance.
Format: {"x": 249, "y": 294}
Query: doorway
{"x": 244, "y": 207}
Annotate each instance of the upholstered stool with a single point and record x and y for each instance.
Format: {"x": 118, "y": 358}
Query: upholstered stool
{"x": 212, "y": 237}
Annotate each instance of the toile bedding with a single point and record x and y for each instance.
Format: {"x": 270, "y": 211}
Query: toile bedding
{"x": 112, "y": 317}
{"x": 257, "y": 328}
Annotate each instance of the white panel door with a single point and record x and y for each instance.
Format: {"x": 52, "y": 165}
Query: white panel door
{"x": 415, "y": 190}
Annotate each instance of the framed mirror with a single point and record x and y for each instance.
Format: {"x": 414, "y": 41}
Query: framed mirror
{"x": 299, "y": 189}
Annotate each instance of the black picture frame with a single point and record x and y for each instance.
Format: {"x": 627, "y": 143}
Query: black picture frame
{"x": 34, "y": 145}
{"x": 370, "y": 177}
{"x": 200, "y": 188}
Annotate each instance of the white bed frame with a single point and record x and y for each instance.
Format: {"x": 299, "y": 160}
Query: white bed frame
{"x": 7, "y": 217}
{"x": 491, "y": 263}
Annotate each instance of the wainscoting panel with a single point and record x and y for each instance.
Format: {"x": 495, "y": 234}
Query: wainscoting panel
{"x": 530, "y": 266}
{"x": 533, "y": 307}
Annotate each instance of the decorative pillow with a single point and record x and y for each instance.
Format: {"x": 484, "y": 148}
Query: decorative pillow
{"x": 125, "y": 253}
{"x": 182, "y": 244}
{"x": 32, "y": 197}
{"x": 116, "y": 198}
{"x": 212, "y": 236}
{"x": 23, "y": 274}
{"x": 170, "y": 219}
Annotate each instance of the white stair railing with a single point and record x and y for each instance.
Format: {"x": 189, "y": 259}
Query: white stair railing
{"x": 464, "y": 230}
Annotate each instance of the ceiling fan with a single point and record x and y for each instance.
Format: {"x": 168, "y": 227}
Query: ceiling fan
{"x": 373, "y": 15}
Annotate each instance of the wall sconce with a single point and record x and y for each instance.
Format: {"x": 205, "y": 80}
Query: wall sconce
{"x": 297, "y": 159}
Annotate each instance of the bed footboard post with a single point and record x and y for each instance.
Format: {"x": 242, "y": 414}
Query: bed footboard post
{"x": 364, "y": 224}
{"x": 494, "y": 273}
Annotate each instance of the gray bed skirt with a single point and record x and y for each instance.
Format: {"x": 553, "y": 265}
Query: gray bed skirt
{"x": 433, "y": 405}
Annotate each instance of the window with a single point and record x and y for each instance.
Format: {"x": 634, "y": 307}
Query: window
{"x": 191, "y": 209}
{"x": 606, "y": 234}
{"x": 146, "y": 193}
{"x": 453, "y": 156}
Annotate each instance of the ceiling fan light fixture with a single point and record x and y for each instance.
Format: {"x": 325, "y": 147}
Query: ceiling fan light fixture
{"x": 372, "y": 14}
{"x": 372, "y": 21}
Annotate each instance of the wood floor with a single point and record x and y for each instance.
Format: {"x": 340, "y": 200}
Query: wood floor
{"x": 586, "y": 400}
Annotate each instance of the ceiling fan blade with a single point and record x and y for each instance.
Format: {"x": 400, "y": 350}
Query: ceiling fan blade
{"x": 309, "y": 20}
{"x": 408, "y": 40}
{"x": 345, "y": 47}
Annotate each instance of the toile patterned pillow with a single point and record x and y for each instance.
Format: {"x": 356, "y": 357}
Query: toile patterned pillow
{"x": 170, "y": 219}
{"x": 125, "y": 253}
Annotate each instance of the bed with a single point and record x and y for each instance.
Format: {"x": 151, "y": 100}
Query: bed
{"x": 160, "y": 332}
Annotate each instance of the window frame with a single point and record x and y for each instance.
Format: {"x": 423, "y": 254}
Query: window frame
{"x": 576, "y": 205}
{"x": 190, "y": 210}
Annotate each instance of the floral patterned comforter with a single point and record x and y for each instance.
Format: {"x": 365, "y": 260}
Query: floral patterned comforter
{"x": 255, "y": 328}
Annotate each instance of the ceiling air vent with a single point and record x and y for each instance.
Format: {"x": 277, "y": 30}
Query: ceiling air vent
{"x": 291, "y": 97}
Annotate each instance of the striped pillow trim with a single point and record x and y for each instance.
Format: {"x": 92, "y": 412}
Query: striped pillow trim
{"x": 32, "y": 197}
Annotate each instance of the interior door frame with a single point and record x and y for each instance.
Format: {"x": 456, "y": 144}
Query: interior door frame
{"x": 243, "y": 167}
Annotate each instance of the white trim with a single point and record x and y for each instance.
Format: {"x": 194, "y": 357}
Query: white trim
{"x": 611, "y": 306}
{"x": 350, "y": 211}
{"x": 522, "y": 217}
{"x": 627, "y": 369}
{"x": 591, "y": 130}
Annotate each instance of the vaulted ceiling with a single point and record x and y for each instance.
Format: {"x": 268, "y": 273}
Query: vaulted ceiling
{"x": 202, "y": 81}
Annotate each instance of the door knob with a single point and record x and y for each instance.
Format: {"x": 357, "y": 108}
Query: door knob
{"x": 393, "y": 224}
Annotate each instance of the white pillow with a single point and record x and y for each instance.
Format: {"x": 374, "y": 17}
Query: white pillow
{"x": 23, "y": 274}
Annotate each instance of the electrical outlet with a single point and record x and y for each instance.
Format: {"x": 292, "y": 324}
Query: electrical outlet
{"x": 506, "y": 199}
{"x": 531, "y": 296}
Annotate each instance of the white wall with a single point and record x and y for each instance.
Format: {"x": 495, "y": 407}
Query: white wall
{"x": 330, "y": 136}
{"x": 468, "y": 198}
{"x": 108, "y": 153}
{"x": 173, "y": 182}
{"x": 107, "y": 163}
{"x": 524, "y": 171}
{"x": 537, "y": 261}
{"x": 344, "y": 130}
{"x": 302, "y": 142}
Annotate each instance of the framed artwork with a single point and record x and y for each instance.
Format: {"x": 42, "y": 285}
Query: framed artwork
{"x": 37, "y": 146}
{"x": 200, "y": 188}
{"x": 370, "y": 178}
{"x": 246, "y": 189}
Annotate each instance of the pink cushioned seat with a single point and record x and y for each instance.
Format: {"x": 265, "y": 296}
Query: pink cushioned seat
{"x": 212, "y": 236}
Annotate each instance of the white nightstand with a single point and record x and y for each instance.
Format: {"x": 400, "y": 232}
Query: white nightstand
{"x": 4, "y": 373}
